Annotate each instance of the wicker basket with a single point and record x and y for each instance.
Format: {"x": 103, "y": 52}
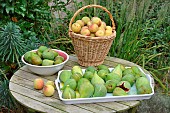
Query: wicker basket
{"x": 91, "y": 51}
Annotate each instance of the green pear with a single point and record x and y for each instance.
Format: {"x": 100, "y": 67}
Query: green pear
{"x": 42, "y": 49}
{"x": 119, "y": 92}
{"x": 35, "y": 59}
{"x": 122, "y": 67}
{"x": 110, "y": 85}
{"x": 142, "y": 81}
{"x": 113, "y": 76}
{"x": 47, "y": 62}
{"x": 58, "y": 61}
{"x": 81, "y": 82}
{"x": 55, "y": 53}
{"x": 135, "y": 69}
{"x": 130, "y": 78}
{"x": 128, "y": 71}
{"x": 125, "y": 85}
{"x": 91, "y": 68}
{"x": 48, "y": 54}
{"x": 144, "y": 89}
{"x": 71, "y": 82}
{"x": 117, "y": 70}
{"x": 39, "y": 54}
{"x": 96, "y": 79}
{"x": 77, "y": 94}
{"x": 88, "y": 75}
{"x": 65, "y": 75}
{"x": 102, "y": 73}
{"x": 99, "y": 90}
{"x": 68, "y": 93}
{"x": 137, "y": 72}
{"x": 77, "y": 69}
{"x": 86, "y": 90}
{"x": 27, "y": 57}
{"x": 59, "y": 57}
{"x": 76, "y": 76}
{"x": 103, "y": 67}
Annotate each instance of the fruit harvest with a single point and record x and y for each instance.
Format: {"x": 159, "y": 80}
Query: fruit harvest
{"x": 93, "y": 27}
{"x": 48, "y": 88}
{"x": 100, "y": 80}
{"x": 43, "y": 57}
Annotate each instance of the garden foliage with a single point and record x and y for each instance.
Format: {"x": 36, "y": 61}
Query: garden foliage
{"x": 142, "y": 31}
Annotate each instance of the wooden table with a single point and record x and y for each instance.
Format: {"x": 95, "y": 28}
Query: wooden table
{"x": 21, "y": 87}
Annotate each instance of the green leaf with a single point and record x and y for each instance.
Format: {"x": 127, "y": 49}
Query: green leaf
{"x": 23, "y": 8}
{"x": 31, "y": 16}
{"x": 9, "y": 8}
{"x": 3, "y": 4}
{"x": 36, "y": 2}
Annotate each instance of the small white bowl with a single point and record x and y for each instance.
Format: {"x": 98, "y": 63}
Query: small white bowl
{"x": 47, "y": 70}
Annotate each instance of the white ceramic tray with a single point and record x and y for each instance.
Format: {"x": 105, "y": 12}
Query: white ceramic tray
{"x": 132, "y": 95}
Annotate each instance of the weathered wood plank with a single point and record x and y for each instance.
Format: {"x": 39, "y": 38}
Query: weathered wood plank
{"x": 116, "y": 106}
{"x": 97, "y": 108}
{"x": 131, "y": 104}
{"x": 39, "y": 106}
{"x": 36, "y": 96}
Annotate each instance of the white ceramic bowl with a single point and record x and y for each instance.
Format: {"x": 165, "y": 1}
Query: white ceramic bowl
{"x": 47, "y": 70}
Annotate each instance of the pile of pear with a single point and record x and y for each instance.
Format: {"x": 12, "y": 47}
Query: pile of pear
{"x": 93, "y": 27}
{"x": 44, "y": 56}
{"x": 98, "y": 81}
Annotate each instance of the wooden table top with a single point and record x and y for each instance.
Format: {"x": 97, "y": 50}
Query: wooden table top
{"x": 21, "y": 87}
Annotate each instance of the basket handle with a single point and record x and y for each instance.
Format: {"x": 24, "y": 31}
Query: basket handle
{"x": 89, "y": 6}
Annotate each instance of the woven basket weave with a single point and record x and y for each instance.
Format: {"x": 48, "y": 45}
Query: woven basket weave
{"x": 91, "y": 51}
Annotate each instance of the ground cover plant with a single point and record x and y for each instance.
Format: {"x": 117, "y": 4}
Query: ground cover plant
{"x": 142, "y": 34}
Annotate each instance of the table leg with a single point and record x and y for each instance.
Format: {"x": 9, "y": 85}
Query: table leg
{"x": 133, "y": 110}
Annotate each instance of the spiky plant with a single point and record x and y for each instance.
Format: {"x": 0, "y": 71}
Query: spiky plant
{"x": 6, "y": 99}
{"x": 12, "y": 45}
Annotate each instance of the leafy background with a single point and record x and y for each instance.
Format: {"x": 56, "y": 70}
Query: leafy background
{"x": 143, "y": 32}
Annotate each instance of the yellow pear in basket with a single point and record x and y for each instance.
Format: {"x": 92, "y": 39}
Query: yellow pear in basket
{"x": 76, "y": 27}
{"x": 96, "y": 20}
{"x": 85, "y": 19}
{"x": 102, "y": 28}
{"x": 92, "y": 35}
{"x": 99, "y": 33}
{"x": 80, "y": 22}
{"x": 108, "y": 32}
{"x": 85, "y": 32}
{"x": 108, "y": 28}
{"x": 89, "y": 23}
{"x": 93, "y": 28}
{"x": 84, "y": 27}
{"x": 103, "y": 25}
